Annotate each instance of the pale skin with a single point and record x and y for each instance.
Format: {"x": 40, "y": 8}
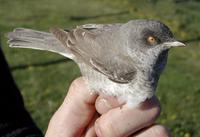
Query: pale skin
{"x": 86, "y": 114}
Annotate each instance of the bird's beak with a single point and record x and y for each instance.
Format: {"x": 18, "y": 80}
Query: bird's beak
{"x": 174, "y": 44}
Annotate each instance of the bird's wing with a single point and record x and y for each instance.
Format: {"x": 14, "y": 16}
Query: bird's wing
{"x": 83, "y": 43}
{"x": 99, "y": 28}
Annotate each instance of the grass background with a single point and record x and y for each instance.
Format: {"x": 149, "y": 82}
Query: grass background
{"x": 44, "y": 77}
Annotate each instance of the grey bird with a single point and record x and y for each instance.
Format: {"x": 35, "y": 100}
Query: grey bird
{"x": 124, "y": 60}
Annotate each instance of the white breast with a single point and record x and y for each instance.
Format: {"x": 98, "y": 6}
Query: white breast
{"x": 132, "y": 93}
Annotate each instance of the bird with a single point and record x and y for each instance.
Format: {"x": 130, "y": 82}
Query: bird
{"x": 124, "y": 60}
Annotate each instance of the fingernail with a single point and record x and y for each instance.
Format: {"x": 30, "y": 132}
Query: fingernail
{"x": 105, "y": 103}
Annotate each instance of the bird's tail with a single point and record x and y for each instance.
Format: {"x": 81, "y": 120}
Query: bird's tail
{"x": 28, "y": 38}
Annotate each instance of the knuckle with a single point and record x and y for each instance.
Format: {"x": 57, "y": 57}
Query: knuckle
{"x": 160, "y": 131}
{"x": 106, "y": 129}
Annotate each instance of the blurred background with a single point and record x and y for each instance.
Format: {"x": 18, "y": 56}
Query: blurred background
{"x": 44, "y": 77}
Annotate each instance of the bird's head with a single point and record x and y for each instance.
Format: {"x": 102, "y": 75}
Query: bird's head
{"x": 149, "y": 41}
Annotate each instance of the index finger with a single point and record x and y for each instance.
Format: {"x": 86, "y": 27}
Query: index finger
{"x": 123, "y": 121}
{"x": 75, "y": 113}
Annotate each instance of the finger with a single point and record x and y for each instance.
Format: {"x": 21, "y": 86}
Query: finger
{"x": 75, "y": 113}
{"x": 90, "y": 131}
{"x": 154, "y": 131}
{"x": 104, "y": 103}
{"x": 123, "y": 121}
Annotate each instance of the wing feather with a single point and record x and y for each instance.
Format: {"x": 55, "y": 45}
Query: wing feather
{"x": 84, "y": 45}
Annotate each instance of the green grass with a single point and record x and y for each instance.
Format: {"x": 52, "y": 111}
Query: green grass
{"x": 44, "y": 87}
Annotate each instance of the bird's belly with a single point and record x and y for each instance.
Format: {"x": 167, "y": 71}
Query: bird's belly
{"x": 133, "y": 93}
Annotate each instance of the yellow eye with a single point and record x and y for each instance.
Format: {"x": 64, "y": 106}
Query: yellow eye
{"x": 152, "y": 40}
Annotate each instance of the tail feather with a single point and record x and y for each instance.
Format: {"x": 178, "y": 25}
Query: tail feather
{"x": 27, "y": 38}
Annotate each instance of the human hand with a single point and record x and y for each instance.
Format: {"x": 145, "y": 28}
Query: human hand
{"x": 83, "y": 114}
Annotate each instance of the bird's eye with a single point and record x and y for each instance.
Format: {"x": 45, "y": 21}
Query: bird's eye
{"x": 152, "y": 40}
